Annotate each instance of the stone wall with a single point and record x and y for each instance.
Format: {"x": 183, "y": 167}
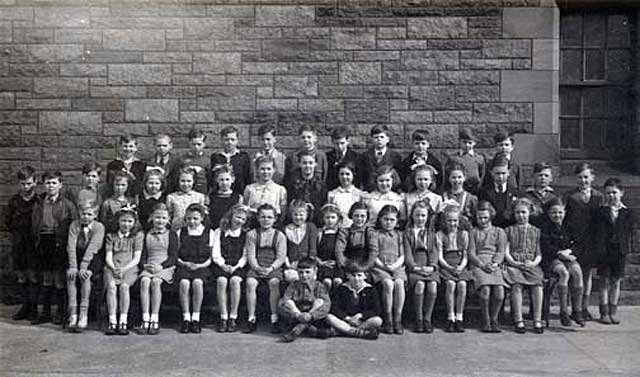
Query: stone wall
{"x": 76, "y": 74}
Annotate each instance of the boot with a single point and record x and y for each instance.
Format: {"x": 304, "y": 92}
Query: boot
{"x": 23, "y": 313}
{"x": 59, "y": 316}
{"x": 45, "y": 298}
{"x": 418, "y": 304}
{"x": 576, "y": 306}
{"x": 486, "y": 318}
{"x": 613, "y": 312}
{"x": 33, "y": 298}
{"x": 563, "y": 293}
{"x": 604, "y": 314}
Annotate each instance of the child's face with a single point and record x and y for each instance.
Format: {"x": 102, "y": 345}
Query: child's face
{"x": 230, "y": 141}
{"x": 308, "y": 140}
{"x": 224, "y": 182}
{"x": 153, "y": 185}
{"x": 452, "y": 219}
{"x": 345, "y": 176}
{"x": 163, "y": 146}
{"x": 421, "y": 147}
{"x": 500, "y": 174}
{"x": 456, "y": 178}
{"x": 585, "y": 178}
{"x": 307, "y": 165}
{"x": 266, "y": 219}
{"x": 87, "y": 215}
{"x": 307, "y": 274}
{"x": 420, "y": 217}
{"x": 27, "y": 185}
{"x": 268, "y": 141}
{"x": 358, "y": 279}
{"x": 359, "y": 217}
{"x": 521, "y": 214}
{"x": 193, "y": 219}
{"x": 380, "y": 140}
{"x": 160, "y": 219}
{"x": 186, "y": 182}
{"x": 299, "y": 216}
{"x": 91, "y": 179}
{"x": 126, "y": 223}
{"x": 120, "y": 186}
{"x": 544, "y": 178}
{"x": 265, "y": 171}
{"x": 556, "y": 214}
{"x": 389, "y": 221}
{"x": 238, "y": 219}
{"x": 128, "y": 148}
{"x": 483, "y": 218}
{"x": 423, "y": 180}
{"x": 613, "y": 195}
{"x": 52, "y": 186}
{"x": 384, "y": 183}
{"x": 197, "y": 144}
{"x": 467, "y": 145}
{"x": 505, "y": 146}
{"x": 341, "y": 144}
{"x": 330, "y": 219}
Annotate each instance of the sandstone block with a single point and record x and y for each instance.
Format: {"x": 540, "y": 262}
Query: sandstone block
{"x": 56, "y": 53}
{"x": 61, "y": 87}
{"x": 491, "y": 64}
{"x": 16, "y": 13}
{"x": 386, "y": 91}
{"x": 478, "y": 93}
{"x": 7, "y": 100}
{"x": 70, "y": 123}
{"x": 411, "y": 116}
{"x": 208, "y": 28}
{"x": 230, "y": 11}
{"x": 226, "y": 98}
{"x": 295, "y": 86}
{"x": 20, "y": 117}
{"x": 521, "y": 22}
{"x": 469, "y": 77}
{"x": 376, "y": 55}
{"x": 546, "y": 54}
{"x": 534, "y": 86}
{"x": 90, "y": 37}
{"x": 151, "y": 110}
{"x": 354, "y": 38}
{"x": 277, "y": 104}
{"x": 452, "y": 116}
{"x": 360, "y": 73}
{"x": 409, "y": 77}
{"x": 264, "y": 68}
{"x": 89, "y": 70}
{"x": 216, "y": 63}
{"x": 118, "y": 91}
{"x": 16, "y": 84}
{"x": 367, "y": 110}
{"x": 546, "y": 118}
{"x": 197, "y": 116}
{"x": 285, "y": 49}
{"x": 43, "y": 104}
{"x": 179, "y": 79}
{"x": 442, "y": 135}
{"x": 139, "y": 74}
{"x": 103, "y": 56}
{"x": 430, "y": 60}
{"x": 285, "y": 15}
{"x": 313, "y": 68}
{"x": 431, "y": 97}
{"x": 321, "y": 105}
{"x": 506, "y": 48}
{"x": 437, "y": 27}
{"x": 117, "y": 129}
{"x": 98, "y": 104}
{"x": 502, "y": 112}
{"x": 62, "y": 17}
{"x": 392, "y": 32}
{"x": 133, "y": 39}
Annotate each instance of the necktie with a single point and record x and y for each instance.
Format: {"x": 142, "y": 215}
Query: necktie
{"x": 83, "y": 236}
{"x": 378, "y": 156}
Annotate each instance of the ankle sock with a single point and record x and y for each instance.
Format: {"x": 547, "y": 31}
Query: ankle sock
{"x": 113, "y": 318}
{"x": 459, "y": 317}
{"x": 274, "y": 318}
{"x": 195, "y": 316}
{"x": 123, "y": 318}
{"x": 146, "y": 317}
{"x": 154, "y": 317}
{"x": 186, "y": 317}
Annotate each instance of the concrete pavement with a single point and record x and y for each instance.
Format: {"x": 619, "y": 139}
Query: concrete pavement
{"x": 596, "y": 350}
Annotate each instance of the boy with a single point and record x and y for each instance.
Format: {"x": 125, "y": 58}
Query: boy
{"x": 91, "y": 190}
{"x": 420, "y": 156}
{"x": 378, "y": 156}
{"x": 129, "y": 163}
{"x": 18, "y": 223}
{"x": 504, "y": 145}
{"x": 356, "y": 307}
{"x": 197, "y": 160}
{"x": 308, "y": 186}
{"x": 341, "y": 152}
{"x": 500, "y": 194}
{"x": 267, "y": 134}
{"x": 308, "y": 140}
{"x": 541, "y": 192}
{"x": 612, "y": 240}
{"x": 166, "y": 161}
{"x": 52, "y": 214}
{"x": 305, "y": 304}
{"x": 231, "y": 155}
{"x": 472, "y": 162}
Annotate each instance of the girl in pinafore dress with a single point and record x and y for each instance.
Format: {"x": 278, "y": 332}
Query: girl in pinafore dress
{"x": 452, "y": 245}
{"x": 178, "y": 201}
{"x": 388, "y": 246}
{"x": 152, "y": 194}
{"x": 158, "y": 264}
{"x": 456, "y": 193}
{"x": 229, "y": 264}
{"x": 302, "y": 238}
{"x": 327, "y": 236}
{"x": 221, "y": 200}
{"x": 422, "y": 262}
{"x": 523, "y": 258}
{"x": 352, "y": 243}
{"x": 194, "y": 259}
{"x": 123, "y": 250}
{"x": 487, "y": 244}
{"x": 115, "y": 202}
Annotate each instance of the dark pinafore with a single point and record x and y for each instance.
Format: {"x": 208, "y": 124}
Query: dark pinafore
{"x": 357, "y": 253}
{"x": 219, "y": 205}
{"x": 194, "y": 249}
{"x": 327, "y": 252}
{"x": 231, "y": 249}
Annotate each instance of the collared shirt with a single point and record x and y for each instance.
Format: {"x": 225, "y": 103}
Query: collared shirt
{"x": 229, "y": 155}
{"x": 616, "y": 210}
{"x": 304, "y": 294}
{"x": 93, "y": 234}
{"x": 272, "y": 193}
{"x": 155, "y": 196}
{"x": 295, "y": 233}
{"x": 216, "y": 251}
{"x": 500, "y": 188}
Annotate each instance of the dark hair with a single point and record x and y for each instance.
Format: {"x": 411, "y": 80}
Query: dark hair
{"x": 225, "y": 222}
{"x": 307, "y": 153}
{"x": 91, "y": 166}
{"x": 265, "y": 129}
{"x": 220, "y": 169}
{"x": 307, "y": 262}
{"x": 306, "y": 128}
{"x": 346, "y": 164}
{"x": 540, "y": 166}
{"x": 502, "y": 136}
{"x": 340, "y": 132}
{"x": 499, "y": 159}
{"x": 128, "y": 138}
{"x": 486, "y": 206}
{"x": 555, "y": 201}
{"x": 455, "y": 166}
{"x": 264, "y": 159}
{"x": 523, "y": 202}
{"x": 154, "y": 172}
{"x": 52, "y": 175}
{"x": 196, "y": 134}
{"x": 388, "y": 169}
{"x": 266, "y": 207}
{"x": 419, "y": 135}
{"x": 163, "y": 136}
{"x": 384, "y": 129}
{"x": 228, "y": 130}
{"x": 386, "y": 210}
{"x": 614, "y": 182}
{"x": 420, "y": 204}
{"x": 301, "y": 203}
{"x": 582, "y": 167}
{"x": 197, "y": 207}
{"x": 352, "y": 267}
{"x": 331, "y": 208}
{"x": 358, "y": 205}
{"x": 25, "y": 173}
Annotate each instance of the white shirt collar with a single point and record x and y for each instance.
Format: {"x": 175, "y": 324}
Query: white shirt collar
{"x": 233, "y": 233}
{"x": 155, "y": 196}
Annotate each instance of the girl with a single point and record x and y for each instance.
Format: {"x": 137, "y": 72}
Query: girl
{"x": 523, "y": 258}
{"x": 386, "y": 176}
{"x": 487, "y": 245}
{"x": 158, "y": 265}
{"x": 230, "y": 262}
{"x": 452, "y": 245}
{"x": 84, "y": 243}
{"x": 345, "y": 195}
{"x": 178, "y": 201}
{"x": 123, "y": 250}
{"x": 152, "y": 194}
{"x": 352, "y": 244}
{"x": 387, "y": 245}
{"x": 456, "y": 193}
{"x": 582, "y": 205}
{"x": 423, "y": 177}
{"x": 327, "y": 236}
{"x": 558, "y": 258}
{"x": 115, "y": 202}
{"x": 194, "y": 259}
{"x": 265, "y": 190}
{"x": 224, "y": 198}
{"x": 302, "y": 238}
{"x": 266, "y": 251}
{"x": 422, "y": 262}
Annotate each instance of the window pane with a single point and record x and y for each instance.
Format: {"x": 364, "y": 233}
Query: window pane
{"x": 619, "y": 68}
{"x": 571, "y": 30}
{"x": 616, "y": 132}
{"x": 569, "y": 133}
{"x": 595, "y": 102}
{"x": 619, "y": 31}
{"x": 569, "y": 101}
{"x": 619, "y": 102}
{"x": 592, "y": 133}
{"x": 571, "y": 65}
{"x": 594, "y": 65}
{"x": 594, "y": 30}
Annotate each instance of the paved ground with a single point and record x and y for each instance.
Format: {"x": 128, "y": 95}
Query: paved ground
{"x": 596, "y": 350}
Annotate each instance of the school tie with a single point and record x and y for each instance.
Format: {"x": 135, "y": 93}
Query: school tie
{"x": 378, "y": 156}
{"x": 83, "y": 237}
